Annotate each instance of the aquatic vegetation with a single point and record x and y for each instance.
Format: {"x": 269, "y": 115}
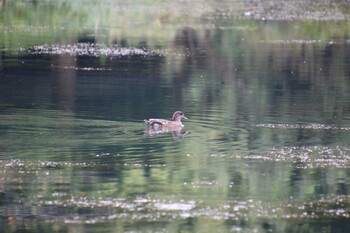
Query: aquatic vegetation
{"x": 94, "y": 50}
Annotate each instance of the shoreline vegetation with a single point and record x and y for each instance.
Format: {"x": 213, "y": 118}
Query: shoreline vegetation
{"x": 157, "y": 23}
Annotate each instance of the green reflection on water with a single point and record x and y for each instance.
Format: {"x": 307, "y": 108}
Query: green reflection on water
{"x": 169, "y": 188}
{"x": 231, "y": 173}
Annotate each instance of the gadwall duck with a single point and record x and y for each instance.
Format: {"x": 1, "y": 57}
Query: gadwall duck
{"x": 174, "y": 123}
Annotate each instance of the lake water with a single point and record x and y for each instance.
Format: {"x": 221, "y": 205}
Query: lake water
{"x": 266, "y": 147}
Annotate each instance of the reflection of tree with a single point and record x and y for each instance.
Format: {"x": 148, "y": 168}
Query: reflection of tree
{"x": 65, "y": 79}
{"x": 1, "y": 65}
{"x": 251, "y": 80}
{"x": 262, "y": 73}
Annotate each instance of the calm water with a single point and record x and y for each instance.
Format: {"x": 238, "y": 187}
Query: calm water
{"x": 266, "y": 147}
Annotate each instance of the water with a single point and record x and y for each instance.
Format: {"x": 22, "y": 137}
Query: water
{"x": 265, "y": 149}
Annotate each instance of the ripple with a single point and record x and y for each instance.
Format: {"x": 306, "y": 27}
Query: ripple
{"x": 209, "y": 121}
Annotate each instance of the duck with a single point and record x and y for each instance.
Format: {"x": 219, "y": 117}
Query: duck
{"x": 174, "y": 123}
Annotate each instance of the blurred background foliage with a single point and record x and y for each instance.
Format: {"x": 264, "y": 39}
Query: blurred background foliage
{"x": 156, "y": 22}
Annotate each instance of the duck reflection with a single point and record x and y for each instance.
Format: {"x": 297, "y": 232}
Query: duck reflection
{"x": 158, "y": 131}
{"x": 155, "y": 127}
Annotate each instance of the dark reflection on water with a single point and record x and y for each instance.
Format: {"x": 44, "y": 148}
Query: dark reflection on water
{"x": 266, "y": 148}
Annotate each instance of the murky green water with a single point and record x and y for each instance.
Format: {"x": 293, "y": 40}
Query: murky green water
{"x": 267, "y": 93}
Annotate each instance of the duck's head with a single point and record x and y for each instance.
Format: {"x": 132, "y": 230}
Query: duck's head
{"x": 178, "y": 116}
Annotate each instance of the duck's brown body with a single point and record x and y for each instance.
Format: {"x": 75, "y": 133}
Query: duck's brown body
{"x": 174, "y": 123}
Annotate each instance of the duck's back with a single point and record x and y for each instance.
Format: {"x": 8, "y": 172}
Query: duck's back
{"x": 153, "y": 121}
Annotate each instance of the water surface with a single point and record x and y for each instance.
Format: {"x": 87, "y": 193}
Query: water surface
{"x": 265, "y": 149}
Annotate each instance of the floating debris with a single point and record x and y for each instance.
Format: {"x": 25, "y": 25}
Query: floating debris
{"x": 34, "y": 166}
{"x": 315, "y": 126}
{"x": 94, "y": 50}
{"x": 155, "y": 210}
{"x": 81, "y": 68}
{"x": 304, "y": 156}
{"x": 292, "y": 41}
